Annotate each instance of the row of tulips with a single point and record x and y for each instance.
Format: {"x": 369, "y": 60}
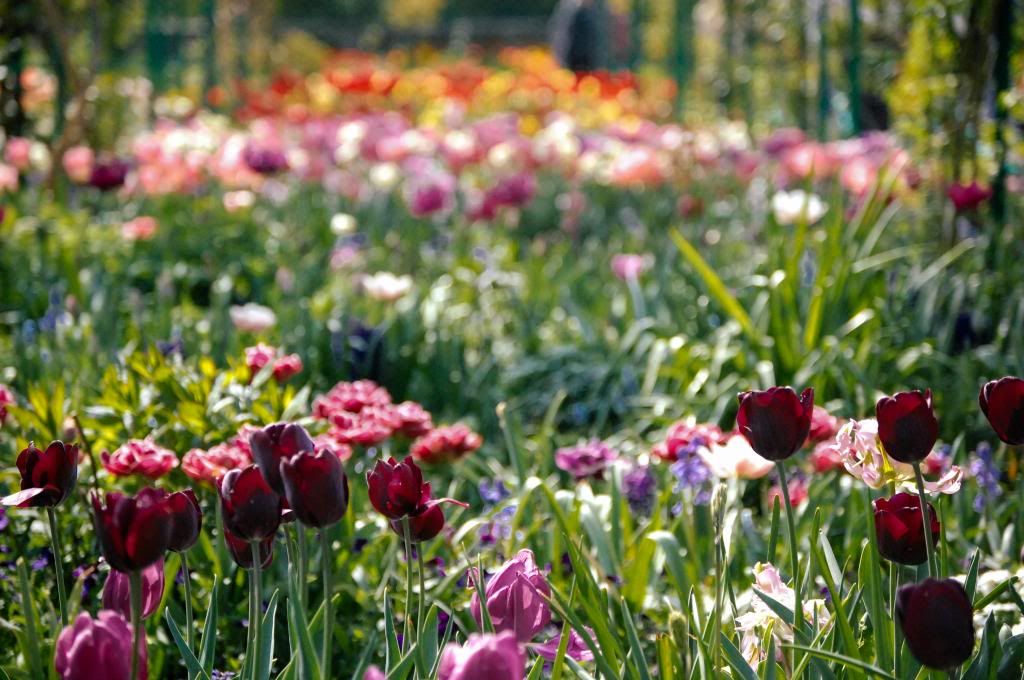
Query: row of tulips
{"x": 295, "y": 482}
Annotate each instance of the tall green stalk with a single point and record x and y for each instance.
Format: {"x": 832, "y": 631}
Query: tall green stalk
{"x": 58, "y": 566}
{"x": 254, "y": 605}
{"x": 409, "y": 635}
{"x": 135, "y": 579}
{"x": 300, "y": 532}
{"x": 798, "y": 610}
{"x": 325, "y": 564}
{"x": 926, "y": 522}
{"x": 190, "y": 636}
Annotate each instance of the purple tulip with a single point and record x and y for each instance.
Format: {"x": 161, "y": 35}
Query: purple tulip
{"x": 89, "y": 646}
{"x": 483, "y": 657}
{"x": 516, "y": 598}
{"x": 117, "y": 591}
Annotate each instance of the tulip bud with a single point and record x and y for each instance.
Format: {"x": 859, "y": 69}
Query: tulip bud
{"x": 907, "y": 426}
{"x": 276, "y": 443}
{"x": 490, "y": 657}
{"x": 898, "y": 526}
{"x": 101, "y": 645}
{"x": 776, "y": 422}
{"x": 316, "y": 487}
{"x": 117, "y": 590}
{"x": 516, "y": 598}
{"x": 937, "y": 621}
{"x": 47, "y": 477}
{"x": 1002, "y": 402}
{"x": 252, "y": 510}
{"x": 134, "y": 531}
{"x": 187, "y": 517}
{"x": 396, "y": 489}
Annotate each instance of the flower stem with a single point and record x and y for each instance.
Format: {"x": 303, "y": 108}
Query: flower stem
{"x": 409, "y": 634}
{"x": 798, "y": 611}
{"x": 326, "y": 557}
{"x": 422, "y": 597}
{"x": 926, "y": 521}
{"x": 135, "y": 580}
{"x": 189, "y": 631}
{"x": 58, "y": 566}
{"x": 255, "y": 605}
{"x": 300, "y": 531}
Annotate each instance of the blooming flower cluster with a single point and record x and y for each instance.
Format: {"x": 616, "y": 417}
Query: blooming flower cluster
{"x": 140, "y": 457}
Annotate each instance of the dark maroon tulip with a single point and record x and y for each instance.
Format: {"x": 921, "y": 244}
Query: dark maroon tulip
{"x": 898, "y": 524}
{"x": 397, "y": 489}
{"x": 907, "y": 425}
{"x": 937, "y": 621}
{"x": 134, "y": 531}
{"x": 276, "y": 443}
{"x": 316, "y": 487}
{"x": 47, "y": 477}
{"x": 1002, "y": 402}
{"x": 241, "y": 550}
{"x": 776, "y": 422}
{"x": 426, "y": 522}
{"x": 252, "y": 510}
{"x": 108, "y": 174}
{"x": 265, "y": 161}
{"x": 188, "y": 519}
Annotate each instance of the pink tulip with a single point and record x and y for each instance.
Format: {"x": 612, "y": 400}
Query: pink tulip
{"x": 18, "y": 152}
{"x": 516, "y": 598}
{"x": 140, "y": 457}
{"x": 483, "y": 657}
{"x": 628, "y": 267}
{"x": 77, "y": 162}
{"x": 141, "y": 228}
{"x": 100, "y": 647}
{"x": 117, "y": 590}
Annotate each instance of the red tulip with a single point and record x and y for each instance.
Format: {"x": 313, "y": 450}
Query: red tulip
{"x": 1002, "y": 402}
{"x": 276, "y": 443}
{"x": 967, "y": 196}
{"x": 316, "y": 487}
{"x": 937, "y": 622}
{"x": 427, "y": 521}
{"x": 117, "y": 590}
{"x": 397, "y": 489}
{"x": 188, "y": 519}
{"x": 775, "y": 421}
{"x": 134, "y": 531}
{"x": 241, "y": 550}
{"x": 47, "y": 477}
{"x": 898, "y": 526}
{"x": 252, "y": 510}
{"x": 907, "y": 425}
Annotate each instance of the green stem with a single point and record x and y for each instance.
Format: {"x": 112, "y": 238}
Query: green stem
{"x": 926, "y": 521}
{"x": 798, "y": 611}
{"x": 247, "y": 661}
{"x": 409, "y": 634}
{"x": 300, "y": 531}
{"x": 135, "y": 579}
{"x": 326, "y": 557}
{"x": 254, "y": 605}
{"x": 189, "y": 631}
{"x": 31, "y": 635}
{"x": 422, "y": 597}
{"x": 58, "y": 566}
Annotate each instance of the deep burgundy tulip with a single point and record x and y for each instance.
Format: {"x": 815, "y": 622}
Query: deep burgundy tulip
{"x": 1002, "y": 402}
{"x": 274, "y": 444}
{"x": 47, "y": 477}
{"x": 907, "y": 425}
{"x": 252, "y": 510}
{"x": 117, "y": 590}
{"x": 134, "y": 531}
{"x": 397, "y": 489}
{"x": 241, "y": 550}
{"x": 937, "y": 621}
{"x": 898, "y": 526}
{"x": 188, "y": 519}
{"x": 776, "y": 422}
{"x": 316, "y": 487}
{"x": 427, "y": 521}
{"x": 108, "y": 174}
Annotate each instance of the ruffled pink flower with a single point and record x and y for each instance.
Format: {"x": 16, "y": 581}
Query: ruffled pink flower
{"x": 210, "y": 465}
{"x": 689, "y": 435}
{"x": 141, "y": 228}
{"x": 589, "y": 459}
{"x": 365, "y": 428}
{"x": 103, "y": 643}
{"x": 258, "y": 356}
{"x": 446, "y": 444}
{"x": 140, "y": 457}
{"x": 824, "y": 458}
{"x": 351, "y": 397}
{"x": 797, "y": 493}
{"x": 412, "y": 420}
{"x": 327, "y": 442}
{"x": 286, "y": 367}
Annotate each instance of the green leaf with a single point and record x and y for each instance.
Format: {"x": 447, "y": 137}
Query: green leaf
{"x": 267, "y": 638}
{"x": 636, "y": 649}
{"x": 842, "y": 660}
{"x": 186, "y": 654}
{"x": 208, "y": 648}
{"x": 307, "y": 653}
{"x": 736, "y": 660}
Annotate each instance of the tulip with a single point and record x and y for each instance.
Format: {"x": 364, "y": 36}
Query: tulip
{"x": 907, "y": 425}
{"x": 937, "y": 621}
{"x": 134, "y": 531}
{"x": 967, "y": 197}
{"x": 483, "y": 657}
{"x": 108, "y": 174}
{"x": 516, "y": 598}
{"x": 252, "y": 510}
{"x": 241, "y": 550}
{"x": 1002, "y": 402}
{"x": 252, "y": 318}
{"x": 47, "y": 477}
{"x": 446, "y": 444}
{"x": 277, "y": 443}
{"x": 898, "y": 526}
{"x": 576, "y": 648}
{"x": 589, "y": 459}
{"x": 140, "y": 457}
{"x": 117, "y": 590}
{"x": 426, "y": 522}
{"x": 187, "y": 520}
{"x": 316, "y": 487}
{"x": 776, "y": 422}
{"x": 396, "y": 489}
{"x": 102, "y": 644}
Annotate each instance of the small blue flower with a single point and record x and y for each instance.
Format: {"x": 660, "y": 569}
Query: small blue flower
{"x": 985, "y": 472}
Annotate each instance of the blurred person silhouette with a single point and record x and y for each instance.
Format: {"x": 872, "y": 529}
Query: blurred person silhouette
{"x": 575, "y": 35}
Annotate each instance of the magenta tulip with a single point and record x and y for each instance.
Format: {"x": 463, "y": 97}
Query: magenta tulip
{"x": 117, "y": 591}
{"x": 516, "y": 598}
{"x": 102, "y": 647}
{"x": 483, "y": 657}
